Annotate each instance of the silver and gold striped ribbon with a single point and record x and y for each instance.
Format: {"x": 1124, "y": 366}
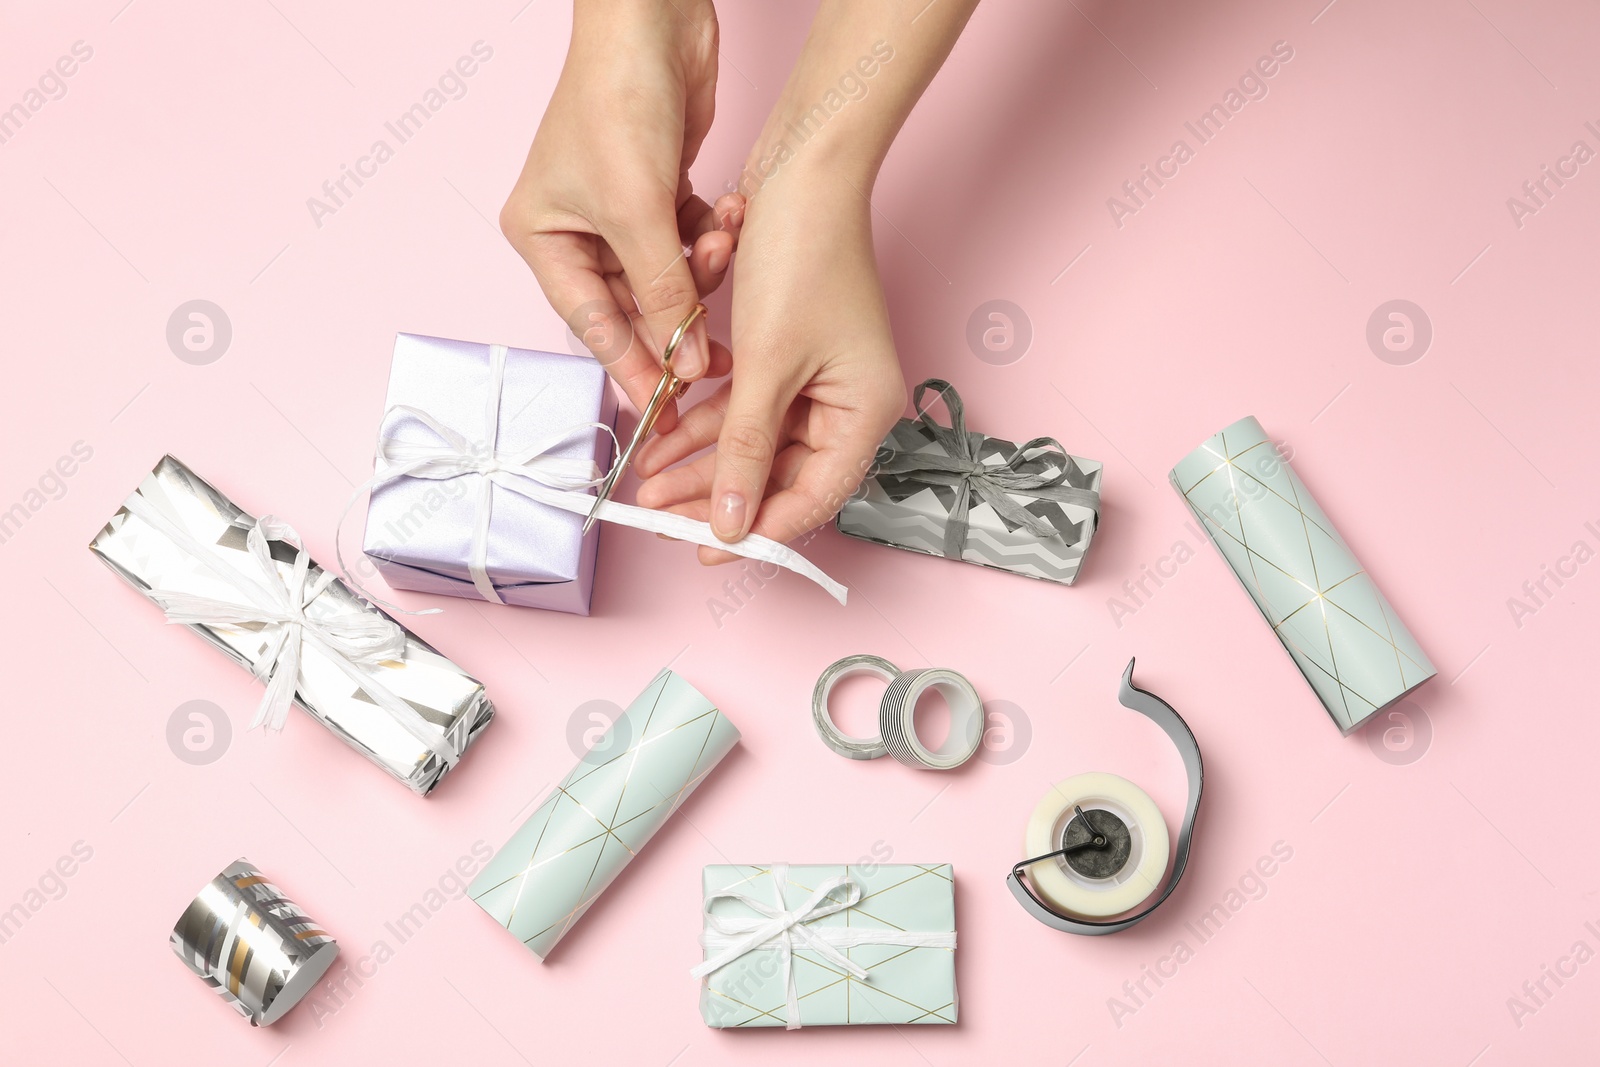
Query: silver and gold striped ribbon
{"x": 252, "y": 944}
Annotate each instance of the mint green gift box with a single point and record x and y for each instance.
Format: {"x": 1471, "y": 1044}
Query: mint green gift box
{"x": 828, "y": 945}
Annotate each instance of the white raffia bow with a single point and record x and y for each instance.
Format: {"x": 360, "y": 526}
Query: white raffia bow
{"x": 350, "y": 640}
{"x": 780, "y": 927}
{"x": 551, "y": 480}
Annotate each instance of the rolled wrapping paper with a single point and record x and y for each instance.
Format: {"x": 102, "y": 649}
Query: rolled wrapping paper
{"x": 603, "y": 812}
{"x": 1337, "y": 627}
{"x": 252, "y": 944}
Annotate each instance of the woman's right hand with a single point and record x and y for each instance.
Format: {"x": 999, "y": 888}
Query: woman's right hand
{"x": 604, "y": 207}
{"x": 816, "y": 383}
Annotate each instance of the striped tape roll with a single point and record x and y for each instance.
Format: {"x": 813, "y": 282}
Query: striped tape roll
{"x": 252, "y": 944}
{"x": 897, "y": 719}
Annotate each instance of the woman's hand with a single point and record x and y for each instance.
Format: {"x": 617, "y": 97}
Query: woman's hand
{"x": 815, "y": 380}
{"x": 604, "y": 206}
{"x": 816, "y": 383}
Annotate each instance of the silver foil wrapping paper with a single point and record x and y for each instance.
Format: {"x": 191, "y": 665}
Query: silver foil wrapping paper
{"x": 1323, "y": 606}
{"x": 607, "y": 809}
{"x": 253, "y": 945}
{"x": 449, "y": 701}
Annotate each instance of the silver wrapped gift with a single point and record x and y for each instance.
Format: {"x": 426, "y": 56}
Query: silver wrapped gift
{"x": 248, "y": 588}
{"x": 946, "y": 491}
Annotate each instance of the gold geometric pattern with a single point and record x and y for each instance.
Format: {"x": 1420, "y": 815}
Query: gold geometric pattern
{"x": 904, "y": 985}
{"x": 1341, "y": 632}
{"x": 568, "y": 851}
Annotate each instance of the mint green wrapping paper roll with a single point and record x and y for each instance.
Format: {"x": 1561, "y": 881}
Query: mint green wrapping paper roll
{"x": 611, "y": 804}
{"x": 1337, "y": 627}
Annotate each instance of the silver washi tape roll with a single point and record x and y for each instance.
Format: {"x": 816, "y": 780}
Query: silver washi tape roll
{"x": 897, "y": 719}
{"x": 832, "y": 736}
{"x": 252, "y": 944}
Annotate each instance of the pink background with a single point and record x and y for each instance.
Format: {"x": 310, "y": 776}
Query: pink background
{"x": 1420, "y": 895}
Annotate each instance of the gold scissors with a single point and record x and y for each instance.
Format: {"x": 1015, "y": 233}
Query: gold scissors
{"x": 670, "y": 388}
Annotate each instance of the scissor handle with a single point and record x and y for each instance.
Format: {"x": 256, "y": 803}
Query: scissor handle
{"x": 678, "y": 336}
{"x": 669, "y": 388}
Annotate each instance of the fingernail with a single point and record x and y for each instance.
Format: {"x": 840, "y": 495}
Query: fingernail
{"x": 728, "y": 522}
{"x": 689, "y": 360}
{"x": 718, "y": 260}
{"x": 736, "y": 218}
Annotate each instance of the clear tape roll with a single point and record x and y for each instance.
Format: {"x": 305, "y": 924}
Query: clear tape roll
{"x": 836, "y": 739}
{"x": 1086, "y": 895}
{"x": 897, "y": 719}
{"x": 1047, "y": 885}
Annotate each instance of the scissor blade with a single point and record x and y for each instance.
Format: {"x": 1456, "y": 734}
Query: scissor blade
{"x": 604, "y": 493}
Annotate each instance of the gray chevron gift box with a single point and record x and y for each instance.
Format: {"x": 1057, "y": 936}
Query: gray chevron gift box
{"x": 944, "y": 490}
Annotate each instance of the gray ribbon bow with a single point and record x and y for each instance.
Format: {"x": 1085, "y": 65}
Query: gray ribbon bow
{"x": 1039, "y": 474}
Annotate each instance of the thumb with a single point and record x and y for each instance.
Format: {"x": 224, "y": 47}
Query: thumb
{"x": 745, "y": 449}
{"x": 658, "y": 274}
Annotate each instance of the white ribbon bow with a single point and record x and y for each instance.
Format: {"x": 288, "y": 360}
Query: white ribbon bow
{"x": 780, "y": 927}
{"x": 350, "y": 640}
{"x": 551, "y": 480}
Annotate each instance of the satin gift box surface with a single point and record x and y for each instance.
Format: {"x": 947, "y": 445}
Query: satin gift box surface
{"x": 421, "y": 531}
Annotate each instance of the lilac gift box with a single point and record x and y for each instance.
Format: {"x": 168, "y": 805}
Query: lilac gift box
{"x": 420, "y": 530}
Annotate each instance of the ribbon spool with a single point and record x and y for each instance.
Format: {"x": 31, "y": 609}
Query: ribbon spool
{"x": 897, "y": 727}
{"x": 1099, "y": 843}
{"x": 253, "y": 945}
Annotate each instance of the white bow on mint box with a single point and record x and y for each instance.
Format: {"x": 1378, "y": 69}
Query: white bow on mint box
{"x": 777, "y": 928}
